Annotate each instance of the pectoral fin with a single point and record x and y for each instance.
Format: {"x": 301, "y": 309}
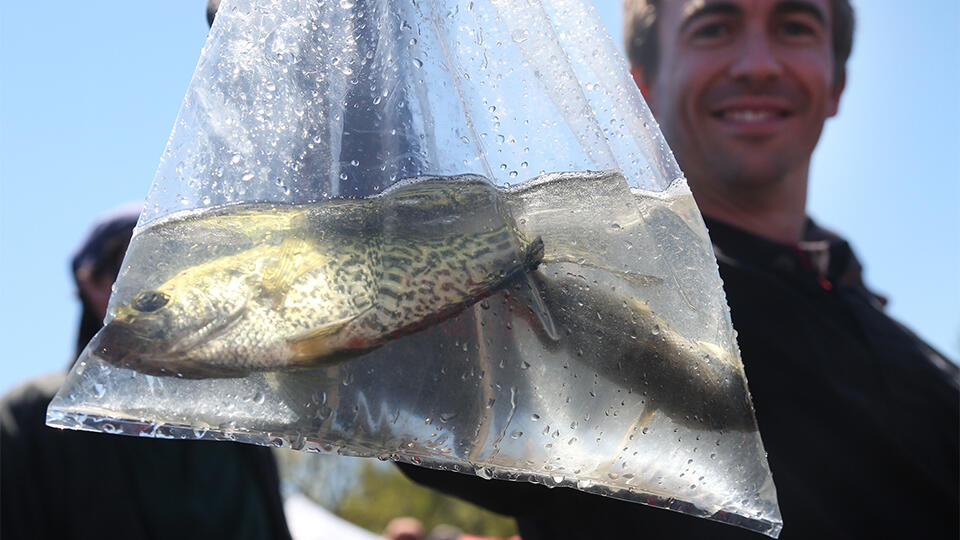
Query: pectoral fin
{"x": 315, "y": 347}
{"x": 539, "y": 308}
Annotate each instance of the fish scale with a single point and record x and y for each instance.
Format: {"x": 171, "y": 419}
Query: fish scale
{"x": 453, "y": 272}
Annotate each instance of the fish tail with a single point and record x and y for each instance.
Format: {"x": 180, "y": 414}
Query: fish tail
{"x": 533, "y": 255}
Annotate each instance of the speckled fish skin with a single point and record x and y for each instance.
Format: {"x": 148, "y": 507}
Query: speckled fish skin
{"x": 343, "y": 278}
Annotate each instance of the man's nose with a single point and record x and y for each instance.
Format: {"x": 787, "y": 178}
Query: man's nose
{"x": 757, "y": 61}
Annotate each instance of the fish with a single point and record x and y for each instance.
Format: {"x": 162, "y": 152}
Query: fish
{"x": 317, "y": 284}
{"x": 697, "y": 384}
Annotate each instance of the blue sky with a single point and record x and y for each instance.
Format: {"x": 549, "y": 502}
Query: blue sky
{"x": 89, "y": 92}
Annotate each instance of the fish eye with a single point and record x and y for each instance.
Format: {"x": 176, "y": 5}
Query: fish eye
{"x": 149, "y": 301}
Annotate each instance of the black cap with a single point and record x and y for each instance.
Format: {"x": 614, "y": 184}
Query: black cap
{"x": 115, "y": 224}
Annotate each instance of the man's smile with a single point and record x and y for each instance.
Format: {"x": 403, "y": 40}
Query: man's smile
{"x": 753, "y": 115}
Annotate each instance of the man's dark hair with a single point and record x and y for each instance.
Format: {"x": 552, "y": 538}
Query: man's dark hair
{"x": 640, "y": 35}
{"x": 212, "y": 7}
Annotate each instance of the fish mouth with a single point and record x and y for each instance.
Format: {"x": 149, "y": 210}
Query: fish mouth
{"x": 120, "y": 344}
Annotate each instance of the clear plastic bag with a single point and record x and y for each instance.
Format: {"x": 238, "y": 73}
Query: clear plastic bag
{"x": 447, "y": 233}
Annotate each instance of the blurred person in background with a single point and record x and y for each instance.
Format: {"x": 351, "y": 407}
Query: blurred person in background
{"x": 444, "y": 532}
{"x": 67, "y": 484}
{"x": 858, "y": 415}
{"x": 404, "y": 528}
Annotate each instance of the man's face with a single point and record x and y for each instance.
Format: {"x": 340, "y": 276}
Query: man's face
{"x": 743, "y": 87}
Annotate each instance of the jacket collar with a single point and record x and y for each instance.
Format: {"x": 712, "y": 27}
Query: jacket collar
{"x": 822, "y": 256}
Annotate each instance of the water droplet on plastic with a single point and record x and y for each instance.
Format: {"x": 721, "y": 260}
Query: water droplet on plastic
{"x": 417, "y": 62}
{"x": 99, "y": 390}
{"x": 516, "y": 434}
{"x": 247, "y": 176}
{"x": 323, "y": 413}
{"x": 236, "y": 159}
{"x": 259, "y": 398}
{"x": 525, "y": 365}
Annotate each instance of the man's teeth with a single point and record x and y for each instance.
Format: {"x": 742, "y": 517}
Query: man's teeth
{"x": 749, "y": 115}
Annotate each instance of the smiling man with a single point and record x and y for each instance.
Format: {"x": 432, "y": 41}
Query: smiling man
{"x": 859, "y": 416}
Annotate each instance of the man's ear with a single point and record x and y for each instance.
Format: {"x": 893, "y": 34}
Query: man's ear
{"x": 640, "y": 77}
{"x": 836, "y": 92}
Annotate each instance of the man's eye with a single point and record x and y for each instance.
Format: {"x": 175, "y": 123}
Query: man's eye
{"x": 796, "y": 29}
{"x": 710, "y": 31}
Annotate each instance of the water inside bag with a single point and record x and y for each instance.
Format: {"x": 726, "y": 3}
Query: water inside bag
{"x": 483, "y": 275}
